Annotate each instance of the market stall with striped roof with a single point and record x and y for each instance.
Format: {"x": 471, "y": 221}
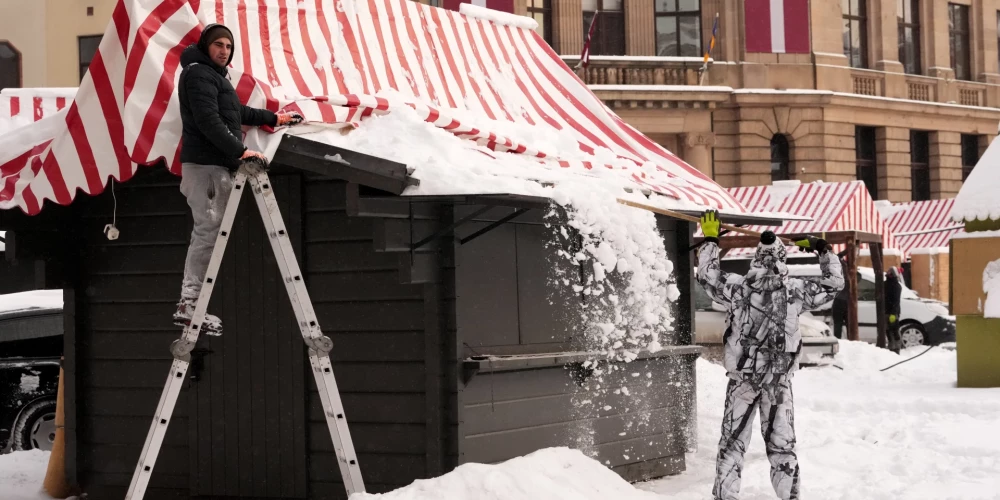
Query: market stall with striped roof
{"x": 924, "y": 230}
{"x": 843, "y": 213}
{"x": 20, "y": 107}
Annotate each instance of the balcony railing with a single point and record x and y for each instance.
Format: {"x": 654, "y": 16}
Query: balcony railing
{"x": 868, "y": 83}
{"x": 970, "y": 96}
{"x": 627, "y": 70}
{"x": 920, "y": 88}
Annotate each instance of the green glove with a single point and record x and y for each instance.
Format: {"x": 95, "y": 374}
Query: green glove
{"x": 812, "y": 244}
{"x": 892, "y": 318}
{"x": 710, "y": 224}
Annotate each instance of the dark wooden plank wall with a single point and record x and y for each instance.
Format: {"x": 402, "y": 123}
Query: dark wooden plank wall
{"x": 502, "y": 278}
{"x": 642, "y": 434}
{"x": 126, "y": 291}
{"x": 248, "y": 425}
{"x": 379, "y": 329}
{"x": 506, "y": 305}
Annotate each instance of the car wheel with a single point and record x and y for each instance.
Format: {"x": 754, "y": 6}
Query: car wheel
{"x": 36, "y": 427}
{"x": 912, "y": 335}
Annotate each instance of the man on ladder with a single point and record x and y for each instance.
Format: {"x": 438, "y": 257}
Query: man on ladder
{"x": 211, "y": 151}
{"x": 212, "y": 115}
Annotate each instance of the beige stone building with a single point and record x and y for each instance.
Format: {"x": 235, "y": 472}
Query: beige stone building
{"x": 49, "y": 43}
{"x": 904, "y": 94}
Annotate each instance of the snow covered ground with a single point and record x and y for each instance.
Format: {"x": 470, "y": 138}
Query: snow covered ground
{"x": 907, "y": 433}
{"x": 21, "y": 475}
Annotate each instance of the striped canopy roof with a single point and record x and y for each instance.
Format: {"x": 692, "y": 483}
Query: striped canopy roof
{"x": 20, "y": 107}
{"x": 838, "y": 206}
{"x": 338, "y": 62}
{"x": 923, "y": 224}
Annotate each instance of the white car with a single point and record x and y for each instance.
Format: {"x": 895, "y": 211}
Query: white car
{"x": 921, "y": 321}
{"x": 818, "y": 341}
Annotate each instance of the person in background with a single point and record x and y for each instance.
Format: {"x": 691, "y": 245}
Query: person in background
{"x": 762, "y": 345}
{"x": 839, "y": 309}
{"x": 893, "y": 295}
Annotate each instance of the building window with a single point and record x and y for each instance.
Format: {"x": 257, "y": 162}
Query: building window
{"x": 864, "y": 146}
{"x": 88, "y": 48}
{"x": 10, "y": 66}
{"x": 780, "y": 162}
{"x": 855, "y": 32}
{"x": 958, "y": 39}
{"x": 920, "y": 165}
{"x": 541, "y": 12}
{"x": 970, "y": 154}
{"x": 678, "y": 28}
{"x": 609, "y": 33}
{"x": 908, "y": 19}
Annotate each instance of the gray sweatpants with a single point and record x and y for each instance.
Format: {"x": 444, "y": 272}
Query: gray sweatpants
{"x": 207, "y": 189}
{"x": 777, "y": 425}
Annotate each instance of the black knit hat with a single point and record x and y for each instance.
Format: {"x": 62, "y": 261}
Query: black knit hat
{"x": 212, "y": 33}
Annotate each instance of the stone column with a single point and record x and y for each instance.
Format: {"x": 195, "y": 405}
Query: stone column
{"x": 946, "y": 164}
{"x": 983, "y": 18}
{"x": 567, "y": 27}
{"x": 640, "y": 28}
{"x": 892, "y": 157}
{"x": 698, "y": 151}
{"x": 934, "y": 17}
{"x": 884, "y": 36}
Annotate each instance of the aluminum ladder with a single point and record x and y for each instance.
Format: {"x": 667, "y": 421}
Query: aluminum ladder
{"x": 318, "y": 344}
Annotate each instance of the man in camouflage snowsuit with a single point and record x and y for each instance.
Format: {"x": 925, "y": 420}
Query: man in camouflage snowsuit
{"x": 762, "y": 345}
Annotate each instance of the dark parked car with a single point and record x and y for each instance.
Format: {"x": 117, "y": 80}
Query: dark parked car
{"x": 31, "y": 344}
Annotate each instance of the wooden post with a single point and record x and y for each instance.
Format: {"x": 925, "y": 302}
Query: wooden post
{"x": 852, "y": 298}
{"x": 879, "y": 294}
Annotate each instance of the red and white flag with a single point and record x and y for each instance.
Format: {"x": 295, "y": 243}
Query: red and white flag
{"x": 777, "y": 26}
{"x": 501, "y": 5}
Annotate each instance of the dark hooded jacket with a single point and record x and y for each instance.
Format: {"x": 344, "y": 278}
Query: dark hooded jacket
{"x": 762, "y": 325}
{"x": 211, "y": 112}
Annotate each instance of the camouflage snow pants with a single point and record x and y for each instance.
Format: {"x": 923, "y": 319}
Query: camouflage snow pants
{"x": 774, "y": 399}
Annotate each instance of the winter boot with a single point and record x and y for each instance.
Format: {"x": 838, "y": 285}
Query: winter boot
{"x": 185, "y": 310}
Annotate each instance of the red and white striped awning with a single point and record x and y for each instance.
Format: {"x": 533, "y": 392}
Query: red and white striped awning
{"x": 20, "y": 107}
{"x": 837, "y": 206}
{"x": 923, "y": 225}
{"x": 337, "y": 62}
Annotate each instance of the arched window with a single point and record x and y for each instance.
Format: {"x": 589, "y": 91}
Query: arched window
{"x": 780, "y": 161}
{"x": 10, "y": 66}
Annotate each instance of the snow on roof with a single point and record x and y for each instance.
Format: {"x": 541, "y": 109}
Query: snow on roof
{"x": 522, "y": 116}
{"x": 832, "y": 206}
{"x": 20, "y": 107}
{"x": 36, "y": 299}
{"x": 923, "y": 224}
{"x": 978, "y": 200}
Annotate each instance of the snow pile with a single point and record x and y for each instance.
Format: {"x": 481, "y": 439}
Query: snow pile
{"x": 22, "y": 473}
{"x": 549, "y": 474}
{"x": 497, "y": 16}
{"x": 36, "y": 299}
{"x": 991, "y": 286}
{"x": 930, "y": 251}
{"x": 863, "y": 433}
{"x": 978, "y": 197}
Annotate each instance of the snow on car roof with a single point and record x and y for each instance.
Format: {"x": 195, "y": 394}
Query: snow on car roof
{"x": 26, "y": 301}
